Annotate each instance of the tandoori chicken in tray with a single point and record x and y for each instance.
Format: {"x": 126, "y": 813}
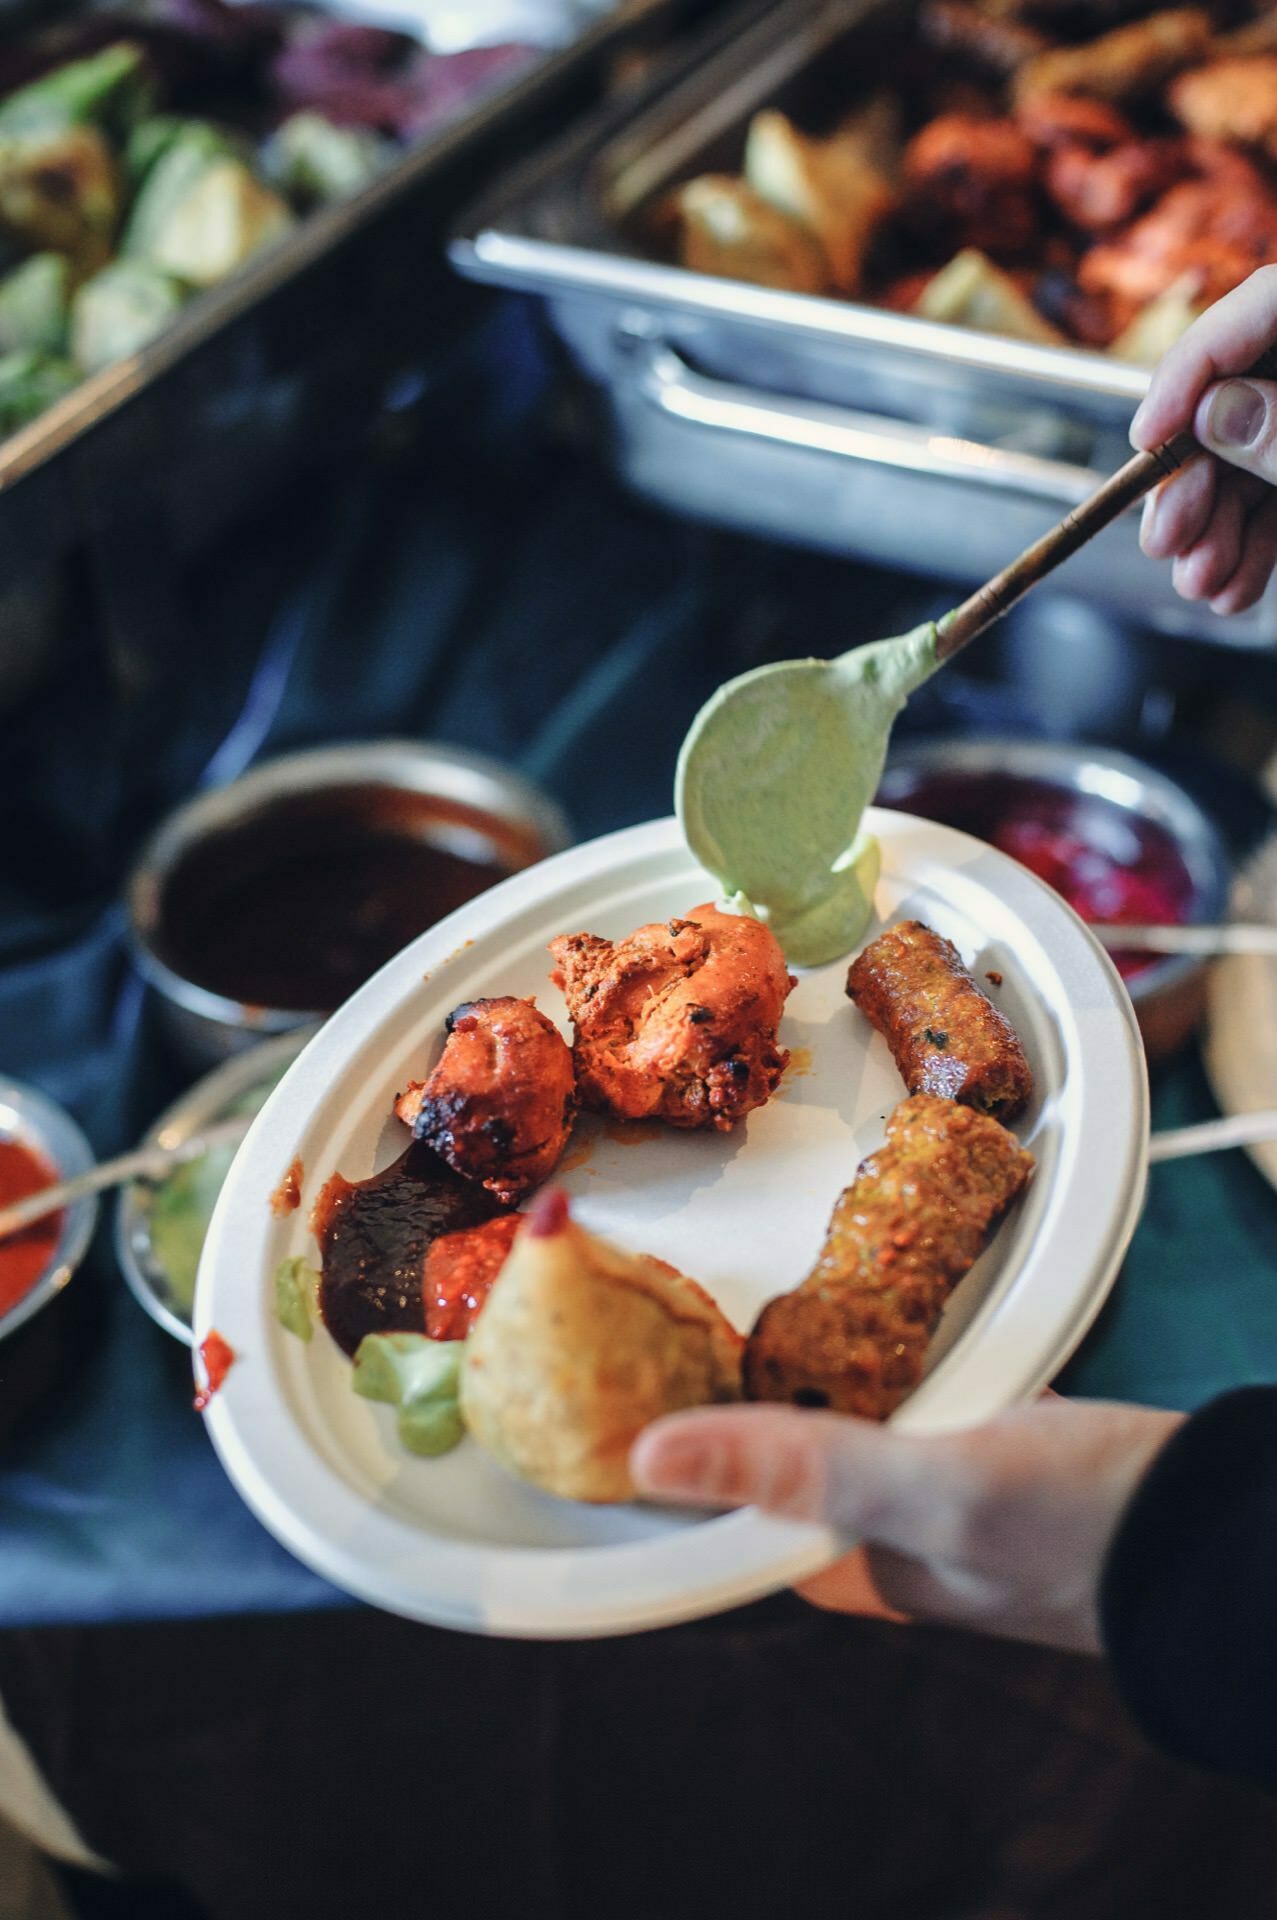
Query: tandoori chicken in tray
{"x": 1055, "y": 173}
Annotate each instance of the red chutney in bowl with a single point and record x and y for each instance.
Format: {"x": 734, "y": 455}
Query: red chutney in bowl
{"x": 24, "y": 1256}
{"x": 1111, "y": 865}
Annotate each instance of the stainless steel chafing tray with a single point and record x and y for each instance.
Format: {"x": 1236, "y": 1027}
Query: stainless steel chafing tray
{"x": 287, "y": 362}
{"x": 819, "y": 421}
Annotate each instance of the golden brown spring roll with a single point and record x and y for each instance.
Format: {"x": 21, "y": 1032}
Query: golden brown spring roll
{"x": 854, "y": 1335}
{"x": 945, "y": 1036}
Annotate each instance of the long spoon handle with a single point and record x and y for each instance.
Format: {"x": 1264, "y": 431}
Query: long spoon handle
{"x": 1129, "y": 484}
{"x": 1213, "y": 1136}
{"x": 145, "y": 1163}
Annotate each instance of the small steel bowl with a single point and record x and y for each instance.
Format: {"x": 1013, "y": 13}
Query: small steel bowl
{"x": 36, "y": 1122}
{"x": 1169, "y": 994}
{"x": 489, "y": 806}
{"x": 218, "y": 1096}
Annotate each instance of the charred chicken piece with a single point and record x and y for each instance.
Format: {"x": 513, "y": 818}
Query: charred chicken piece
{"x": 678, "y": 1021}
{"x": 854, "y": 1335}
{"x": 499, "y": 1105}
{"x": 973, "y": 183}
{"x": 1122, "y": 65}
{"x": 1099, "y": 191}
{"x": 1206, "y": 234}
{"x": 945, "y": 1036}
{"x": 1233, "y": 100}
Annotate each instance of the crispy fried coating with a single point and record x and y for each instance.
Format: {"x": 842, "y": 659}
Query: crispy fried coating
{"x": 1121, "y": 65}
{"x": 499, "y": 1105}
{"x": 854, "y": 1335}
{"x": 1233, "y": 100}
{"x": 678, "y": 1021}
{"x": 945, "y": 1036}
{"x": 837, "y": 189}
{"x": 971, "y": 292}
{"x": 727, "y": 229}
{"x": 581, "y": 1346}
{"x": 975, "y": 182}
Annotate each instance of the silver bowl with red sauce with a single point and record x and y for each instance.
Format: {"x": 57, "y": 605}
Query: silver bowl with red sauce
{"x": 1119, "y": 840}
{"x": 260, "y": 906}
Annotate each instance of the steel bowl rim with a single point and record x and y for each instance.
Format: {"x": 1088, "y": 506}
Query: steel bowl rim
{"x": 1197, "y": 838}
{"x": 48, "y": 1127}
{"x": 196, "y": 1105}
{"x": 474, "y": 779}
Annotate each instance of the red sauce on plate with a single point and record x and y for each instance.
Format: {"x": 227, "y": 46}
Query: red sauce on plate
{"x": 460, "y": 1270}
{"x": 25, "y": 1256}
{"x": 218, "y": 1357}
{"x": 287, "y": 1196}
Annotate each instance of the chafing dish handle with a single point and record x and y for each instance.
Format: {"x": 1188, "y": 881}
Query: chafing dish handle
{"x": 666, "y": 382}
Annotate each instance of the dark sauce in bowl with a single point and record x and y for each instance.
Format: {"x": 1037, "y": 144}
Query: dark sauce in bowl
{"x": 300, "y": 902}
{"x": 1110, "y": 864}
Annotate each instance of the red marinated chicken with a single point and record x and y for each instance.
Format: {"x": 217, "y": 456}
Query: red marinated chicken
{"x": 499, "y": 1105}
{"x": 678, "y": 1021}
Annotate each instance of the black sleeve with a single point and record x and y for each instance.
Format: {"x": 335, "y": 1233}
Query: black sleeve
{"x": 1188, "y": 1599}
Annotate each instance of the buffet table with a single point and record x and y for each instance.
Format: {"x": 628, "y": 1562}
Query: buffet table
{"x": 218, "y": 1720}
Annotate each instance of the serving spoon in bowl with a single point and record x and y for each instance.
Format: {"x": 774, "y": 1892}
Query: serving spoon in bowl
{"x": 780, "y": 763}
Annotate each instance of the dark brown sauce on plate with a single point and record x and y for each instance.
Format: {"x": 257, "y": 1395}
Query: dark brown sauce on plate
{"x": 300, "y": 903}
{"x": 374, "y": 1235}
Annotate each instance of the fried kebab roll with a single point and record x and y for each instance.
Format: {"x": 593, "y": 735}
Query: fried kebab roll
{"x": 854, "y": 1335}
{"x": 945, "y": 1036}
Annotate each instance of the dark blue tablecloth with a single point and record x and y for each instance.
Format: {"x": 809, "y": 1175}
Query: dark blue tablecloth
{"x": 497, "y": 592}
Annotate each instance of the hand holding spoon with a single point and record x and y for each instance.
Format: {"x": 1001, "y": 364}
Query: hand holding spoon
{"x": 780, "y": 764}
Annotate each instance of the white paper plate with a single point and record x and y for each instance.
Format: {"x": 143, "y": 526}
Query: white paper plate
{"x": 458, "y": 1542}
{"x": 1241, "y": 1011}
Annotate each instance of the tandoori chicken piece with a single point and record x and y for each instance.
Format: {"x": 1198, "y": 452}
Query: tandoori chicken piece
{"x": 1122, "y": 65}
{"x": 1232, "y": 100}
{"x": 973, "y": 182}
{"x": 678, "y": 1021}
{"x": 499, "y": 1105}
{"x": 945, "y": 1036}
{"x": 1099, "y": 191}
{"x": 854, "y": 1335}
{"x": 1210, "y": 232}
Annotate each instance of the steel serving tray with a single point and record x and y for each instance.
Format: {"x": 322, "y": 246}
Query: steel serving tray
{"x": 904, "y": 441}
{"x": 290, "y": 358}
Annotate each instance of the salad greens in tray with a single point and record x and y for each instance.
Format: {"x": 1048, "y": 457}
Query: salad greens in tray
{"x": 146, "y": 153}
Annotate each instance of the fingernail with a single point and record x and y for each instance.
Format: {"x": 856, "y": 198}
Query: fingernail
{"x": 1234, "y": 415}
{"x": 1148, "y": 526}
{"x": 675, "y": 1465}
